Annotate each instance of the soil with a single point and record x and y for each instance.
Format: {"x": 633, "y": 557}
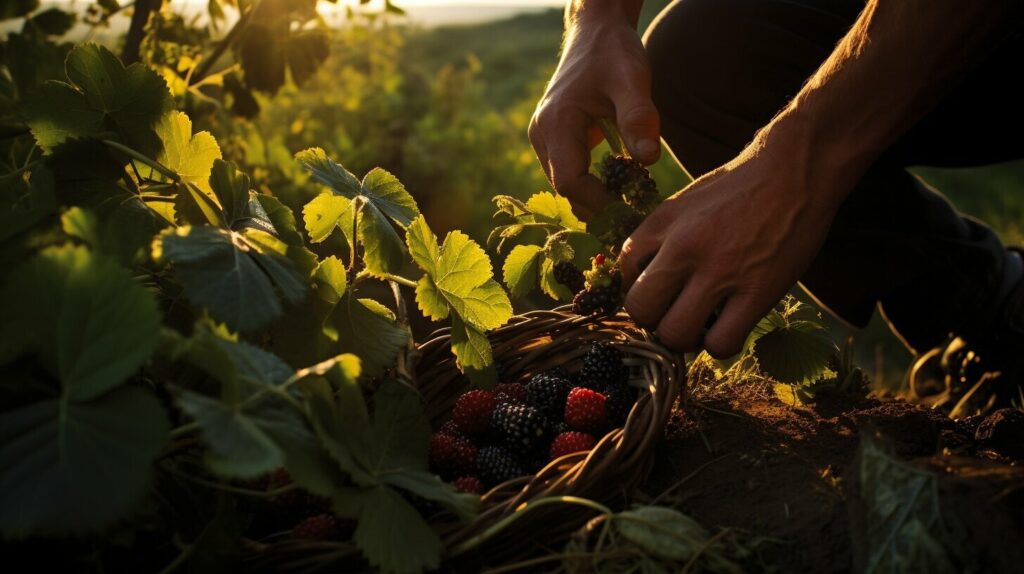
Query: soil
{"x": 740, "y": 458}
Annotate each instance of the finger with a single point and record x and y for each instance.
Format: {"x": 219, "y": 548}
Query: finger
{"x": 739, "y": 316}
{"x": 682, "y": 327}
{"x": 655, "y": 289}
{"x": 569, "y": 161}
{"x": 638, "y": 120}
{"x": 594, "y": 136}
{"x": 537, "y": 141}
{"x": 639, "y": 250}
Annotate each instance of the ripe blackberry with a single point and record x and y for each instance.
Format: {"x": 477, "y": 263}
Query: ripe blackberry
{"x": 497, "y": 465}
{"x": 626, "y": 177}
{"x": 470, "y": 484}
{"x": 620, "y": 401}
{"x": 452, "y": 455}
{"x": 585, "y": 410}
{"x": 567, "y": 274}
{"x": 603, "y": 363}
{"x": 472, "y": 411}
{"x": 570, "y": 442}
{"x": 547, "y": 391}
{"x": 510, "y": 393}
{"x": 600, "y": 300}
{"x": 520, "y": 427}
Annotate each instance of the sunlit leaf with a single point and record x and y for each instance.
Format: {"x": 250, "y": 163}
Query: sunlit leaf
{"x": 552, "y": 208}
{"x": 798, "y": 352}
{"x": 521, "y": 269}
{"x": 367, "y": 334}
{"x": 191, "y": 156}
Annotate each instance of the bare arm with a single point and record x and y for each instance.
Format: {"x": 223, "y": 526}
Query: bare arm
{"x": 603, "y": 73}
{"x": 743, "y": 234}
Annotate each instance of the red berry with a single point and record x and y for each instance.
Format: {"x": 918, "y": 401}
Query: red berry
{"x": 599, "y": 259}
{"x": 510, "y": 392}
{"x": 469, "y": 484}
{"x": 450, "y": 428}
{"x": 452, "y": 454}
{"x": 569, "y": 442}
{"x": 320, "y": 527}
{"x": 472, "y": 412}
{"x": 585, "y": 410}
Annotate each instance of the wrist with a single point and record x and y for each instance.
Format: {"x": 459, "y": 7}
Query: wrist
{"x": 590, "y": 13}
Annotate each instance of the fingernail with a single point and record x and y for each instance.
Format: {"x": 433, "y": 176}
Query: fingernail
{"x": 647, "y": 148}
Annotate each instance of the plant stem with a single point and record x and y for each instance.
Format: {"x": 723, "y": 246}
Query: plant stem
{"x": 504, "y": 523}
{"x": 165, "y": 171}
{"x": 400, "y": 280}
{"x": 184, "y": 429}
{"x": 137, "y": 29}
{"x": 611, "y": 134}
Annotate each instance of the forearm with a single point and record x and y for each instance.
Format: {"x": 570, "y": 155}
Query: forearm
{"x": 894, "y": 65}
{"x": 577, "y": 11}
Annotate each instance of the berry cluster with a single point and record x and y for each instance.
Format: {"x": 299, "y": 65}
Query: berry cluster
{"x": 599, "y": 289}
{"x": 308, "y": 513}
{"x": 516, "y": 429}
{"x": 626, "y": 177}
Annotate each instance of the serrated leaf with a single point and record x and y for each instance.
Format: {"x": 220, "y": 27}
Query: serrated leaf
{"x": 366, "y": 334}
{"x": 83, "y": 316}
{"x": 773, "y": 320}
{"x": 383, "y": 250}
{"x": 410, "y": 549}
{"x": 521, "y": 269}
{"x": 281, "y": 217}
{"x": 60, "y": 463}
{"x": 329, "y": 173}
{"x": 389, "y": 195}
{"x": 422, "y": 245}
{"x": 399, "y": 436}
{"x": 237, "y": 446}
{"x": 227, "y": 274}
{"x": 331, "y": 279}
{"x": 462, "y": 275}
{"x": 325, "y": 213}
{"x": 471, "y": 346}
{"x": 430, "y": 487}
{"x": 551, "y": 208}
{"x": 192, "y": 157}
{"x": 662, "y": 532}
{"x": 103, "y": 98}
{"x": 798, "y": 352}
{"x": 430, "y": 300}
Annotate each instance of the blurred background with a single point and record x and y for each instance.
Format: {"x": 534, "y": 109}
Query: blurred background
{"x": 440, "y": 92}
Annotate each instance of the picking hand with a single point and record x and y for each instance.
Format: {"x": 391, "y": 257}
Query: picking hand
{"x": 603, "y": 73}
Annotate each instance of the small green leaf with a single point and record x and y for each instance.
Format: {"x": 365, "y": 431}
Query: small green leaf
{"x": 231, "y": 188}
{"x": 796, "y": 353}
{"x": 191, "y": 156}
{"x": 662, "y": 532}
{"x": 383, "y": 250}
{"x": 331, "y": 279}
{"x": 325, "y": 213}
{"x": 52, "y": 22}
{"x": 551, "y": 208}
{"x": 521, "y": 269}
{"x": 329, "y": 173}
{"x": 390, "y": 196}
{"x": 75, "y": 468}
{"x": 237, "y": 446}
{"x": 370, "y": 336}
{"x": 551, "y": 287}
{"x": 470, "y": 345}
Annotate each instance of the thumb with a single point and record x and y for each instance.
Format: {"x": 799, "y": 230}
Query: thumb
{"x": 638, "y": 123}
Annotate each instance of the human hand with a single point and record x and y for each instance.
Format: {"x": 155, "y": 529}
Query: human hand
{"x": 604, "y": 73}
{"x": 736, "y": 239}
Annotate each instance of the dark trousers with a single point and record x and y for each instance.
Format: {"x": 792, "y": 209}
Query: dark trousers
{"x": 723, "y": 68}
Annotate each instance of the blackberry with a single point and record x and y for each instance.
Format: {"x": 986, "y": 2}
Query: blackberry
{"x": 520, "y": 427}
{"x": 600, "y": 300}
{"x": 620, "y": 401}
{"x": 626, "y": 177}
{"x": 547, "y": 391}
{"x": 567, "y": 274}
{"x": 497, "y": 465}
{"x": 603, "y": 363}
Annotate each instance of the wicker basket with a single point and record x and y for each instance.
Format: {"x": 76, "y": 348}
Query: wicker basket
{"x": 531, "y": 343}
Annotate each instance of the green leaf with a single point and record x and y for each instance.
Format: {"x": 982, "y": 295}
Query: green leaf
{"x": 103, "y": 99}
{"x": 550, "y": 208}
{"x": 325, "y": 213}
{"x": 227, "y": 273}
{"x": 74, "y": 468}
{"x": 375, "y": 339}
{"x": 429, "y": 486}
{"x": 238, "y": 447}
{"x": 471, "y": 346}
{"x": 773, "y": 320}
{"x": 384, "y": 202}
{"x": 84, "y": 317}
{"x": 521, "y": 269}
{"x": 430, "y": 300}
{"x": 52, "y": 22}
{"x": 191, "y": 156}
{"x": 462, "y": 275}
{"x": 662, "y": 532}
{"x": 389, "y": 195}
{"x": 331, "y": 279}
{"x": 231, "y": 188}
{"x": 282, "y": 218}
{"x": 796, "y": 353}
{"x": 412, "y": 548}
{"x": 120, "y": 227}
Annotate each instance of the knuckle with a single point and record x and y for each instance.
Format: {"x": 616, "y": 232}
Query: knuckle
{"x": 640, "y": 311}
{"x": 722, "y": 347}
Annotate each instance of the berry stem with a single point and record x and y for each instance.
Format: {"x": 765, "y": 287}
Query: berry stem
{"x": 611, "y": 134}
{"x": 504, "y": 523}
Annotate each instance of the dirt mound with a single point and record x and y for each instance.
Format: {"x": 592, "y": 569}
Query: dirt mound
{"x": 742, "y": 459}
